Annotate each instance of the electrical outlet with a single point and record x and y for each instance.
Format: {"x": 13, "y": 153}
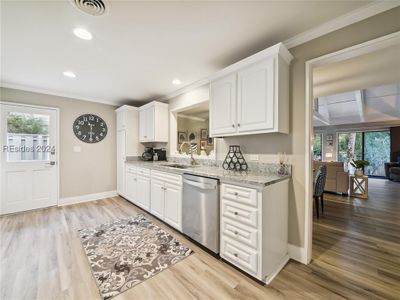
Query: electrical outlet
{"x": 253, "y": 157}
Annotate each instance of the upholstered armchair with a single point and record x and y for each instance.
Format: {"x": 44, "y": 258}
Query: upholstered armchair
{"x": 392, "y": 171}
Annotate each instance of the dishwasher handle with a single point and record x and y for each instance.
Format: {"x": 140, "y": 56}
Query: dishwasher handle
{"x": 203, "y": 186}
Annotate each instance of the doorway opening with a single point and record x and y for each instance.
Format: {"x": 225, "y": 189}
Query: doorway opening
{"x": 344, "y": 123}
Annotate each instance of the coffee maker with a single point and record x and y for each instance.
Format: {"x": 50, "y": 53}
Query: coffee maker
{"x": 148, "y": 154}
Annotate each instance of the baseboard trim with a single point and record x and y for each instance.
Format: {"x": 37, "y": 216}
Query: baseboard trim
{"x": 86, "y": 198}
{"x": 297, "y": 253}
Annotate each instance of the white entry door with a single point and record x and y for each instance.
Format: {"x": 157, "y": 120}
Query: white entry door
{"x": 29, "y": 176}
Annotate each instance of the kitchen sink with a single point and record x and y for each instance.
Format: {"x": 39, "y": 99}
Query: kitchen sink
{"x": 177, "y": 166}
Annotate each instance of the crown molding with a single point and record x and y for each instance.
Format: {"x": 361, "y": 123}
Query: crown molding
{"x": 185, "y": 89}
{"x": 54, "y": 93}
{"x": 340, "y": 22}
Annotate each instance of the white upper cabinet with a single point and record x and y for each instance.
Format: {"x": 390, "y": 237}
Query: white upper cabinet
{"x": 153, "y": 122}
{"x": 223, "y": 109}
{"x": 252, "y": 95}
{"x": 255, "y": 89}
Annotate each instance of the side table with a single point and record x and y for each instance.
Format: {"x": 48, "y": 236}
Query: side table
{"x": 359, "y": 186}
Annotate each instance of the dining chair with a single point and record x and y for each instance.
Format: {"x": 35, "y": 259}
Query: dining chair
{"x": 319, "y": 186}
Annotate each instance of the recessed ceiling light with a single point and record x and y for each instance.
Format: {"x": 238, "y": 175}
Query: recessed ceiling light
{"x": 176, "y": 82}
{"x": 83, "y": 34}
{"x": 69, "y": 74}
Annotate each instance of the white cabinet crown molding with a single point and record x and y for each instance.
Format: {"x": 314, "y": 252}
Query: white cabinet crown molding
{"x": 153, "y": 103}
{"x": 126, "y": 107}
{"x": 278, "y": 49}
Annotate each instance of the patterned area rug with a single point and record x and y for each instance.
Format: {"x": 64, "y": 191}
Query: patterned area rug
{"x": 126, "y": 252}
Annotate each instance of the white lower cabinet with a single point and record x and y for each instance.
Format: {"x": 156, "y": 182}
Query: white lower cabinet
{"x": 254, "y": 228}
{"x": 157, "y": 198}
{"x": 137, "y": 185}
{"x": 143, "y": 192}
{"x": 166, "y": 198}
{"x": 173, "y": 205}
{"x": 130, "y": 184}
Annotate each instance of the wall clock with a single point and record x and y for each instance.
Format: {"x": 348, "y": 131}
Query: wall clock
{"x": 90, "y": 128}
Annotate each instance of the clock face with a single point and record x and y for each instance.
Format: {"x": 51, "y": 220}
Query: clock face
{"x": 90, "y": 128}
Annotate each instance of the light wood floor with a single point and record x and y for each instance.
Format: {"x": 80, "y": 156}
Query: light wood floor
{"x": 356, "y": 255}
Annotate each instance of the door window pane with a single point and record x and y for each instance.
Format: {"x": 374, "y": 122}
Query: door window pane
{"x": 317, "y": 147}
{"x": 376, "y": 151}
{"x": 27, "y": 137}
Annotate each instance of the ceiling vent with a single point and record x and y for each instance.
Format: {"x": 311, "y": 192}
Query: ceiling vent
{"x": 90, "y": 7}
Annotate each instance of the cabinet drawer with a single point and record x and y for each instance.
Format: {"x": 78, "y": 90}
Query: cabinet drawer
{"x": 239, "y": 194}
{"x": 239, "y": 233}
{"x": 131, "y": 169}
{"x": 240, "y": 213}
{"x": 143, "y": 171}
{"x": 170, "y": 178}
{"x": 239, "y": 255}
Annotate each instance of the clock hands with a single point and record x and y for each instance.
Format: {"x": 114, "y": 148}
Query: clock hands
{"x": 91, "y": 132}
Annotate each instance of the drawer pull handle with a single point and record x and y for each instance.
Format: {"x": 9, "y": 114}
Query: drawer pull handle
{"x": 236, "y": 255}
{"x": 236, "y": 213}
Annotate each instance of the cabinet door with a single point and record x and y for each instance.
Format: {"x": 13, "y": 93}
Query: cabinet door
{"x": 143, "y": 192}
{"x": 131, "y": 187}
{"x": 121, "y": 137}
{"x": 173, "y": 206}
{"x": 157, "y": 198}
{"x": 121, "y": 120}
{"x": 142, "y": 125}
{"x": 256, "y": 97}
{"x": 223, "y": 106}
{"x": 150, "y": 123}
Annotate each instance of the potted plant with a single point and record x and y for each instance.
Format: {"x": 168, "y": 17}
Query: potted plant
{"x": 359, "y": 165}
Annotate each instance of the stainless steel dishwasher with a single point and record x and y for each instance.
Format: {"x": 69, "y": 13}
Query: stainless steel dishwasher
{"x": 200, "y": 210}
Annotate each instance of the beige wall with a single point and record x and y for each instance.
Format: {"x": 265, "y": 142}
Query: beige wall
{"x": 93, "y": 170}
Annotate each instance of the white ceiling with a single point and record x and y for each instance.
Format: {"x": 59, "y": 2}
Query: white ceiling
{"x": 139, "y": 47}
{"x": 374, "y": 104}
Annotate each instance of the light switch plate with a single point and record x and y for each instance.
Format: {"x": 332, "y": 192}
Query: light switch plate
{"x": 76, "y": 148}
{"x": 254, "y": 157}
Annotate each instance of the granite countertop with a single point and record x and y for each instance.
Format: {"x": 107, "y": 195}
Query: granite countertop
{"x": 250, "y": 179}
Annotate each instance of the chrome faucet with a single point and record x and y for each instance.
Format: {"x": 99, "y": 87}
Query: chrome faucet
{"x": 193, "y": 162}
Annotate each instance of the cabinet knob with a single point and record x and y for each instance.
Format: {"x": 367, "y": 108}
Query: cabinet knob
{"x": 236, "y": 232}
{"x": 233, "y": 125}
{"x": 236, "y": 255}
{"x": 236, "y": 193}
{"x": 238, "y": 124}
{"x": 236, "y": 213}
